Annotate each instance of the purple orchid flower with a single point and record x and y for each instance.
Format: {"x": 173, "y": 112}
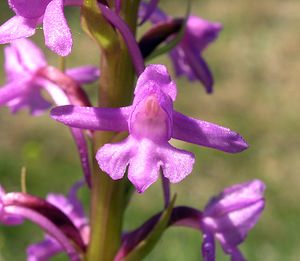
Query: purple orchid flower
{"x": 23, "y": 87}
{"x": 186, "y": 56}
{"x": 73, "y": 209}
{"x": 228, "y": 217}
{"x": 31, "y": 13}
{"x": 66, "y": 229}
{"x": 24, "y": 63}
{"x": 151, "y": 122}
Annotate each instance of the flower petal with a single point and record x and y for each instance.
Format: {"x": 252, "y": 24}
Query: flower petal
{"x": 29, "y": 8}
{"x": 56, "y": 30}
{"x": 129, "y": 39}
{"x": 13, "y": 68}
{"x": 108, "y": 119}
{"x": 149, "y": 10}
{"x": 17, "y": 27}
{"x": 208, "y": 247}
{"x": 231, "y": 214}
{"x": 11, "y": 91}
{"x": 200, "y": 69}
{"x": 114, "y": 158}
{"x": 83, "y": 154}
{"x": 155, "y": 76}
{"x": 30, "y": 56}
{"x": 43, "y": 250}
{"x": 144, "y": 166}
{"x": 32, "y": 99}
{"x": 177, "y": 164}
{"x": 206, "y": 134}
{"x": 48, "y": 226}
{"x": 156, "y": 17}
{"x": 84, "y": 74}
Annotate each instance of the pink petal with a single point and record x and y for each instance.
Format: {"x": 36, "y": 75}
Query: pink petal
{"x": 56, "y": 30}
{"x": 11, "y": 91}
{"x": 29, "y": 8}
{"x": 84, "y": 74}
{"x": 156, "y": 76}
{"x": 110, "y": 119}
{"x": 17, "y": 27}
{"x": 30, "y": 55}
{"x": 176, "y": 164}
{"x": 206, "y": 134}
{"x": 12, "y": 65}
{"x": 114, "y": 158}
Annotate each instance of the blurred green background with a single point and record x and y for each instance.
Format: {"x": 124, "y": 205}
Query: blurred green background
{"x": 256, "y": 65}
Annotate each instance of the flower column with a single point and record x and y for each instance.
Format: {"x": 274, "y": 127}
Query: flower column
{"x": 108, "y": 196}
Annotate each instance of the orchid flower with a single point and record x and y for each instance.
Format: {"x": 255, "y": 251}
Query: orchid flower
{"x": 151, "y": 122}
{"x": 228, "y": 217}
{"x": 62, "y": 227}
{"x": 73, "y": 209}
{"x": 24, "y": 62}
{"x": 31, "y": 13}
{"x": 186, "y": 56}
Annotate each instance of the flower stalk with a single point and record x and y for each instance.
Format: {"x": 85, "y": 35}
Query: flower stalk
{"x": 108, "y": 199}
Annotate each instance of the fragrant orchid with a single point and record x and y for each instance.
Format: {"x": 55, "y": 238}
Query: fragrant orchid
{"x": 25, "y": 65}
{"x": 228, "y": 217}
{"x": 151, "y": 122}
{"x": 31, "y": 13}
{"x": 186, "y": 56}
{"x": 23, "y": 61}
{"x": 72, "y": 208}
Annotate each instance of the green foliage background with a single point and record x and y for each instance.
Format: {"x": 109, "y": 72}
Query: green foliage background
{"x": 256, "y": 64}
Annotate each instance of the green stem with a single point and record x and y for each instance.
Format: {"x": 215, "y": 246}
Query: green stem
{"x": 109, "y": 198}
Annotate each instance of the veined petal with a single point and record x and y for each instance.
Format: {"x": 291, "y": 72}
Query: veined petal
{"x": 107, "y": 119}
{"x": 84, "y": 74}
{"x": 17, "y": 27}
{"x": 56, "y": 30}
{"x": 206, "y": 134}
{"x": 29, "y": 8}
